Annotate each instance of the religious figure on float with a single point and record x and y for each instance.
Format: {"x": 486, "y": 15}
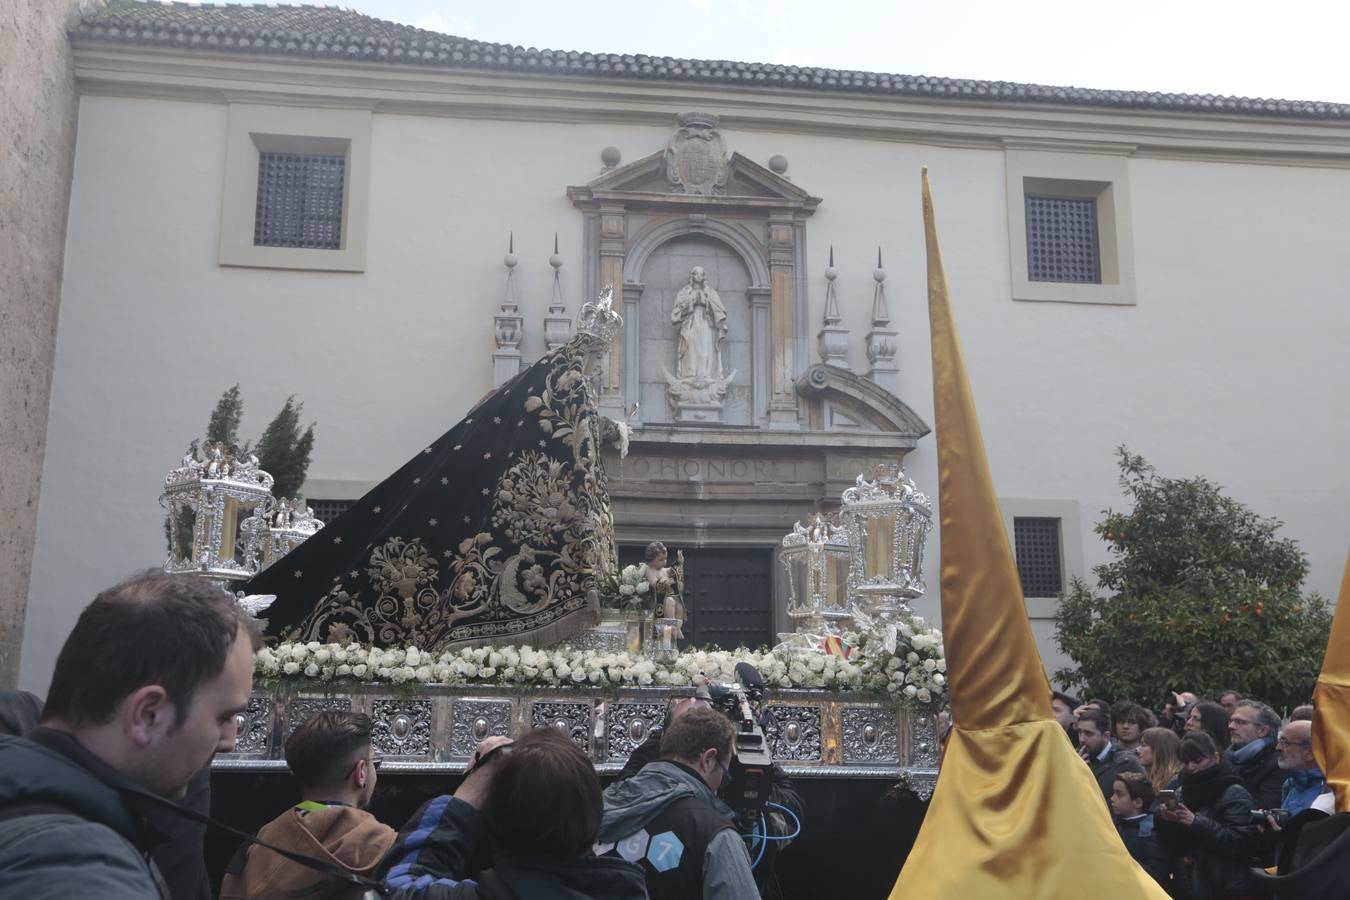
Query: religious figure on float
{"x": 698, "y": 388}
{"x": 667, "y": 583}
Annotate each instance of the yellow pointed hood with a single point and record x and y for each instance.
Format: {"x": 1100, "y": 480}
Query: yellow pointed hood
{"x": 1331, "y": 725}
{"x": 1016, "y": 813}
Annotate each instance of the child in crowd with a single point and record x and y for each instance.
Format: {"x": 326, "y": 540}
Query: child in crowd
{"x": 1131, "y": 800}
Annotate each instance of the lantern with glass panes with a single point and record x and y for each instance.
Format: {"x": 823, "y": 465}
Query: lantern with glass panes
{"x": 887, "y": 520}
{"x": 290, "y": 524}
{"x": 815, "y": 555}
{"x": 218, "y": 515}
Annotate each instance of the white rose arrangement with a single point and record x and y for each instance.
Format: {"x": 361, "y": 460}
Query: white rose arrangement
{"x": 912, "y": 675}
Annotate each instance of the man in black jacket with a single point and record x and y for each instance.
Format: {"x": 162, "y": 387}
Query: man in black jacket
{"x": 1253, "y": 755}
{"x": 1105, "y": 760}
{"x": 145, "y": 693}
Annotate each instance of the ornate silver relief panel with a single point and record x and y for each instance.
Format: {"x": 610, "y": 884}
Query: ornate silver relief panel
{"x": 401, "y": 727}
{"x": 869, "y": 735}
{"x": 572, "y": 719}
{"x": 923, "y": 743}
{"x": 301, "y": 708}
{"x": 254, "y": 726}
{"x": 472, "y": 721}
{"x": 628, "y": 725}
{"x": 793, "y": 732}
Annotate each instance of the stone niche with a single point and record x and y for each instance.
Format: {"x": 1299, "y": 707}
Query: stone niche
{"x": 648, "y": 223}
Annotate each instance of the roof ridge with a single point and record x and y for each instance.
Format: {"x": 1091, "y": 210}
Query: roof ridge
{"x": 286, "y": 29}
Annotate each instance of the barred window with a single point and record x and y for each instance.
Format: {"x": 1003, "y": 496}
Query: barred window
{"x": 299, "y": 200}
{"x": 1039, "y": 561}
{"x": 1062, "y": 242}
{"x": 328, "y": 510}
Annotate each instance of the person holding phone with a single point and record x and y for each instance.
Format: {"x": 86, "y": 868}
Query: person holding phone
{"x": 1206, "y": 827}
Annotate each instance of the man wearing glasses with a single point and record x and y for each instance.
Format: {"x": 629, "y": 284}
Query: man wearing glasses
{"x": 331, "y": 757}
{"x": 1305, "y": 782}
{"x": 1253, "y": 726}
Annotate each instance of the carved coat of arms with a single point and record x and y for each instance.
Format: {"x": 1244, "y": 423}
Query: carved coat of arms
{"x": 696, "y": 157}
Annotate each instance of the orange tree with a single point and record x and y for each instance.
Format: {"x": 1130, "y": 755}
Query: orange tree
{"x": 1200, "y": 594}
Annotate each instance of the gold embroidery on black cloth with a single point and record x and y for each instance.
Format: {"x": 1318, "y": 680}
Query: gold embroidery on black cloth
{"x": 521, "y": 570}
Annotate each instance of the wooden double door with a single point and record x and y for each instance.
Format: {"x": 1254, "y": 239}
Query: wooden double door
{"x": 728, "y": 594}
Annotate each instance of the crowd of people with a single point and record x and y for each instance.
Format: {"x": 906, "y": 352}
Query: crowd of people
{"x": 105, "y": 792}
{"x": 1203, "y": 792}
{"x": 104, "y": 787}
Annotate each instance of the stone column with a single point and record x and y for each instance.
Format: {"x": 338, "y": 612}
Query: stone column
{"x": 613, "y": 229}
{"x": 782, "y": 288}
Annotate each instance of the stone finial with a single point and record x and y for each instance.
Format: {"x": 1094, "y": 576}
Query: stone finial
{"x": 557, "y": 324}
{"x": 881, "y": 339}
{"x": 610, "y": 157}
{"x": 833, "y": 338}
{"x": 508, "y": 324}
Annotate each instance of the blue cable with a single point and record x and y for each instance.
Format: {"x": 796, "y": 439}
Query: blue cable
{"x": 759, "y": 833}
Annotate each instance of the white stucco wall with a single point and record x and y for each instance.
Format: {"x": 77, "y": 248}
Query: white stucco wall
{"x": 1230, "y": 365}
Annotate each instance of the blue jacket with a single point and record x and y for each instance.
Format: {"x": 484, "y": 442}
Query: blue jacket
{"x": 85, "y": 841}
{"x": 1301, "y": 788}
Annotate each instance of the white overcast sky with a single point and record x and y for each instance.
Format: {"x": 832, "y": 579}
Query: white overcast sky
{"x": 1295, "y": 49}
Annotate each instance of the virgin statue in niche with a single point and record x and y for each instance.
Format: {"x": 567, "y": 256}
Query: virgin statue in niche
{"x": 702, "y": 320}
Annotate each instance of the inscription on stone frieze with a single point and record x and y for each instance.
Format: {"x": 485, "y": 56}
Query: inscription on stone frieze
{"x": 721, "y": 469}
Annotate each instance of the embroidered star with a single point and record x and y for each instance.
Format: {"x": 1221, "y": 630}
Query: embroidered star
{"x": 467, "y": 520}
{"x": 298, "y": 573}
{"x": 543, "y": 443}
{"x": 486, "y": 492}
{"x": 428, "y": 450}
{"x": 432, "y": 522}
{"x": 468, "y": 421}
{"x": 487, "y": 455}
{"x": 444, "y": 480}
{"x": 447, "y": 554}
{"x": 377, "y": 510}
{"x": 355, "y": 574}
{"x": 457, "y": 446}
{"x": 338, "y": 539}
{"x": 520, "y": 423}
{"x": 496, "y": 420}
{"x": 417, "y": 481}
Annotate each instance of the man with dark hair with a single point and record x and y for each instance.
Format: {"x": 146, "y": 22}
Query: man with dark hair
{"x": 1253, "y": 755}
{"x": 1229, "y": 700}
{"x": 331, "y": 758}
{"x": 145, "y": 693}
{"x": 539, "y": 797}
{"x": 1104, "y": 758}
{"x": 668, "y": 819}
{"x": 1302, "y": 713}
{"x": 1063, "y": 706}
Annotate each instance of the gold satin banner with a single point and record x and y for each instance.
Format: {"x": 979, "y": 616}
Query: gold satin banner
{"x": 1016, "y": 813}
{"x": 1331, "y": 725}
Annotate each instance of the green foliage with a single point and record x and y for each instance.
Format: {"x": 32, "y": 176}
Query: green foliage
{"x": 1204, "y": 597}
{"x": 284, "y": 451}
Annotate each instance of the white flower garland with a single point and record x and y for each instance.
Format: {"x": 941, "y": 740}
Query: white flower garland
{"x": 914, "y": 674}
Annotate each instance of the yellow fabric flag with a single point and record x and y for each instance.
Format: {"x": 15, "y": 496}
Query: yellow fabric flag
{"x": 1331, "y": 725}
{"x": 1016, "y": 812}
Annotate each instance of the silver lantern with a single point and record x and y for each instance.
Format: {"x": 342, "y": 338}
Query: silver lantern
{"x": 887, "y": 520}
{"x": 816, "y": 557}
{"x": 291, "y": 523}
{"x": 217, "y": 514}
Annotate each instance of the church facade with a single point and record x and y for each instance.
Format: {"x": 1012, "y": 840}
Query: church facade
{"x": 388, "y": 223}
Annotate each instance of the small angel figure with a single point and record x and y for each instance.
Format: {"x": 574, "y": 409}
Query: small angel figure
{"x": 666, "y": 584}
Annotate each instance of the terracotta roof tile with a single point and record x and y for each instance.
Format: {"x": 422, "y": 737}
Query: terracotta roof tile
{"x": 330, "y": 32}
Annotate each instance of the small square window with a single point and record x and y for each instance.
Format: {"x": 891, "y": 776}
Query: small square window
{"x": 1036, "y": 543}
{"x": 299, "y": 201}
{"x": 1062, "y": 239}
{"x": 328, "y": 510}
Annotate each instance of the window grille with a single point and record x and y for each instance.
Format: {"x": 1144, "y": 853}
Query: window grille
{"x": 1036, "y": 543}
{"x": 1062, "y": 239}
{"x": 299, "y": 201}
{"x": 328, "y": 510}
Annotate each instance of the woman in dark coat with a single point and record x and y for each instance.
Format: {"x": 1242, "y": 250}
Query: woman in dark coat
{"x": 1208, "y": 833}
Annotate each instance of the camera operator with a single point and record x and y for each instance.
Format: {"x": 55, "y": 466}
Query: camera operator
{"x": 668, "y": 819}
{"x": 781, "y": 792}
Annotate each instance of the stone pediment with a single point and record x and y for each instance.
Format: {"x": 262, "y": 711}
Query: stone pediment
{"x": 840, "y": 400}
{"x": 647, "y": 180}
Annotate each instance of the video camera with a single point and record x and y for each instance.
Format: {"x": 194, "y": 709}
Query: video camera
{"x": 750, "y": 757}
